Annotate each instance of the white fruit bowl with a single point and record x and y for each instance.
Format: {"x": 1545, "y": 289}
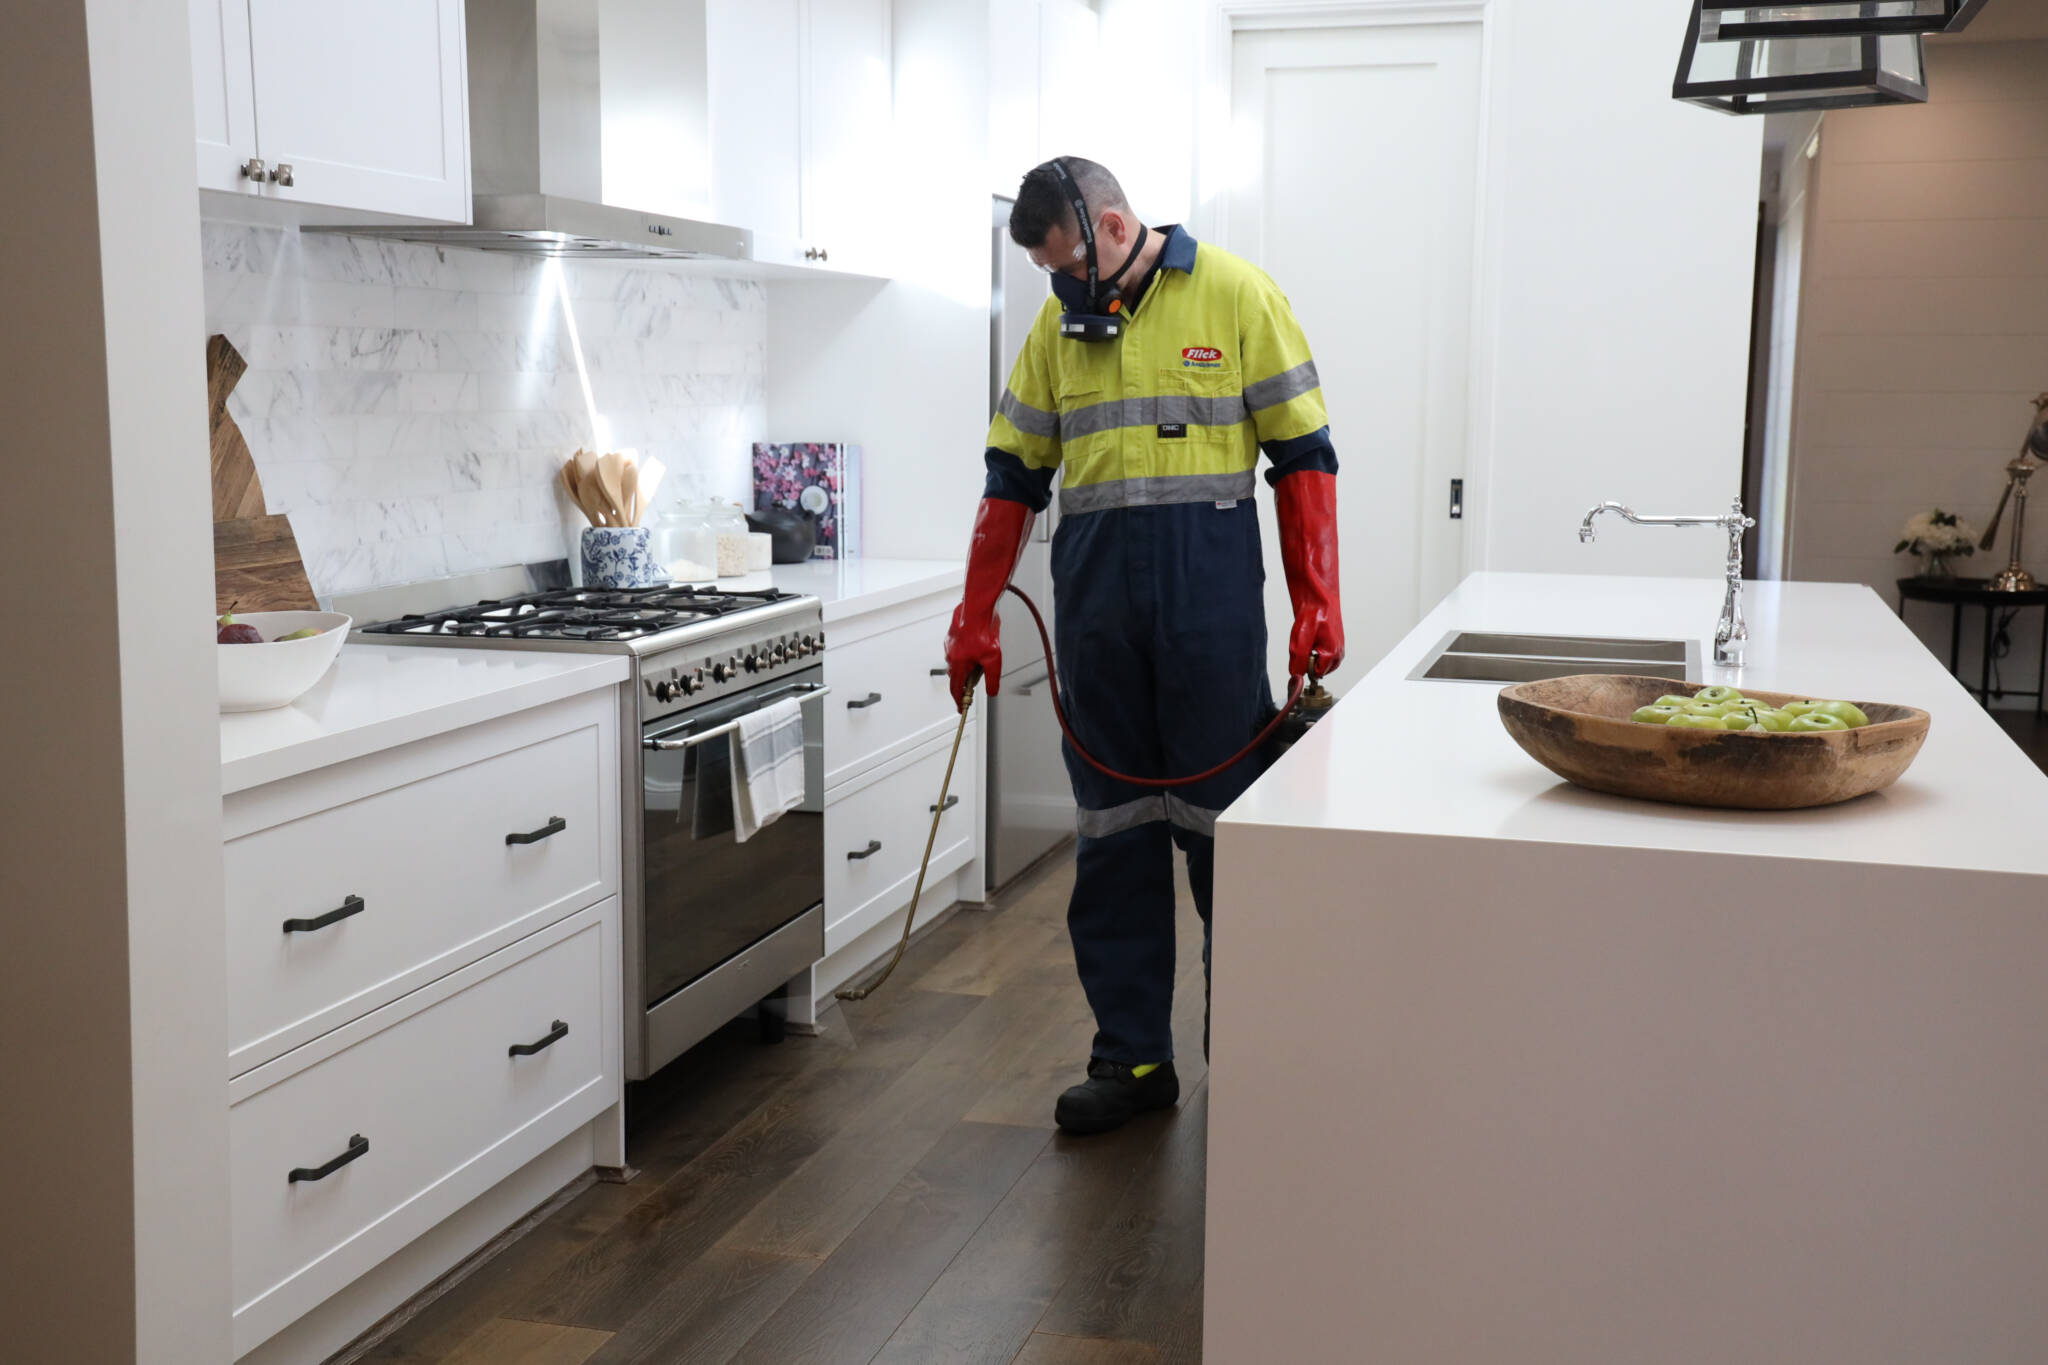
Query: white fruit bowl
{"x": 263, "y": 677}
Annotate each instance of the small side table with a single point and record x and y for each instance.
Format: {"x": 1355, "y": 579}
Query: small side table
{"x": 1965, "y": 592}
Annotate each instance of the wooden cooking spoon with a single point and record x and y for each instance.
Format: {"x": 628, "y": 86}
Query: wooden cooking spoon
{"x": 611, "y": 478}
{"x": 629, "y": 481}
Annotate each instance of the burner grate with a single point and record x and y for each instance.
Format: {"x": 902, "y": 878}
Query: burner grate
{"x": 581, "y": 613}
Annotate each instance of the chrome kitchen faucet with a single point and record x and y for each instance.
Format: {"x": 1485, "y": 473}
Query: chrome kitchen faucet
{"x": 1730, "y": 632}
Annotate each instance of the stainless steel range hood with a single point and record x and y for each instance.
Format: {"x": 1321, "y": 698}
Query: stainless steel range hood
{"x": 588, "y": 134}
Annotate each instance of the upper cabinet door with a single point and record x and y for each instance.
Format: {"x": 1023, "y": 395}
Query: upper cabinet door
{"x": 223, "y": 97}
{"x": 848, "y": 108}
{"x": 756, "y": 115}
{"x": 366, "y": 102}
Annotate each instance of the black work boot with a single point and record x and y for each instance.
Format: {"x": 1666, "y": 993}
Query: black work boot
{"x": 1112, "y": 1096}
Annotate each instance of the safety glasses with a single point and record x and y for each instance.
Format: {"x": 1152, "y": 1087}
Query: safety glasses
{"x": 1079, "y": 253}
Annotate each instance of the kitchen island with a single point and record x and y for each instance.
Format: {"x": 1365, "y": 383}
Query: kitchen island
{"x": 1507, "y": 1071}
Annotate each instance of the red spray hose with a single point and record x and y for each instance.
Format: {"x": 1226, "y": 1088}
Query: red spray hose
{"x": 1052, "y": 676}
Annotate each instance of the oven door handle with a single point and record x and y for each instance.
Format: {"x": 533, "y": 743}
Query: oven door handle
{"x": 665, "y": 746}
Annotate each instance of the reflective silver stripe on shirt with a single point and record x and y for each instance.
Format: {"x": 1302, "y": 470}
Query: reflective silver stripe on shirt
{"x": 1165, "y": 490}
{"x": 1200, "y": 410}
{"x": 1100, "y": 824}
{"x": 1027, "y": 419}
{"x": 1196, "y": 818}
{"x": 1287, "y": 384}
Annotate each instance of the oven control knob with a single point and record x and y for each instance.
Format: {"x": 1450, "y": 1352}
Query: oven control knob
{"x": 687, "y": 686}
{"x": 663, "y": 692}
{"x": 780, "y": 656}
{"x": 753, "y": 664}
{"x": 722, "y": 672}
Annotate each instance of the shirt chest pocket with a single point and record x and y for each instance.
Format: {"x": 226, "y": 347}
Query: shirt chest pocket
{"x": 1206, "y": 405}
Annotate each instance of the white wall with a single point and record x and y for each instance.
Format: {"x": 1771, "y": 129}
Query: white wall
{"x": 112, "y": 983}
{"x": 1626, "y": 258}
{"x": 1927, "y": 324}
{"x": 1615, "y": 293}
{"x": 902, "y": 368}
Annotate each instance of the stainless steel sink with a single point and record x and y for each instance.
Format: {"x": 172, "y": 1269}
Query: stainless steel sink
{"x": 1499, "y": 658}
{"x": 1570, "y": 647}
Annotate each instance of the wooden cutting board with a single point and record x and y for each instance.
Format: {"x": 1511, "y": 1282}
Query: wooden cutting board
{"x": 256, "y": 566}
{"x": 237, "y": 492}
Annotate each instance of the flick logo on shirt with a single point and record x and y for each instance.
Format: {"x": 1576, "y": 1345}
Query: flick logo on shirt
{"x": 1201, "y": 358}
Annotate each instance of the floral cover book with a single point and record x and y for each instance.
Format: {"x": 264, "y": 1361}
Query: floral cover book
{"x": 821, "y": 477}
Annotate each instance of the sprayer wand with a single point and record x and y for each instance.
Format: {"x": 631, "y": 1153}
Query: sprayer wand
{"x": 1308, "y": 690}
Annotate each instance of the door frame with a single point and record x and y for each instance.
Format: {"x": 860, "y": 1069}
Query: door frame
{"x": 1213, "y": 176}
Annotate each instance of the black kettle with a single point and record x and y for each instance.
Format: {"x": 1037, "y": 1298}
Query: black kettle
{"x": 794, "y": 531}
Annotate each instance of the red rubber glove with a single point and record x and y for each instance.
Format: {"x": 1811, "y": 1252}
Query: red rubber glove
{"x": 1000, "y": 528}
{"x": 1307, "y": 503}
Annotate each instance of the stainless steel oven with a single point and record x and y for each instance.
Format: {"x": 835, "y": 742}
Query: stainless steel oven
{"x": 722, "y": 924}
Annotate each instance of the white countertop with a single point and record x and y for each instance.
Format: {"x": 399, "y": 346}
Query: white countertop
{"x": 852, "y": 587}
{"x": 380, "y": 696}
{"x": 1431, "y": 758}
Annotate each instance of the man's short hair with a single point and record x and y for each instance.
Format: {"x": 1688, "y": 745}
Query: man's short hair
{"x": 1042, "y": 204}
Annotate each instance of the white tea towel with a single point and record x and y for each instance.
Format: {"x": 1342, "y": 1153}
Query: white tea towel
{"x": 767, "y": 767}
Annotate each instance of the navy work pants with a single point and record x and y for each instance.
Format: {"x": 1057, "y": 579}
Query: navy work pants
{"x": 1162, "y": 656}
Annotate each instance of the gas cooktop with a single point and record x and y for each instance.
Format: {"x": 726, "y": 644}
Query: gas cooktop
{"x": 531, "y": 607}
{"x": 583, "y": 614}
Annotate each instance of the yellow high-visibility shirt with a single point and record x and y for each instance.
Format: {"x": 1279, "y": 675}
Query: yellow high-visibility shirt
{"x": 1210, "y": 367}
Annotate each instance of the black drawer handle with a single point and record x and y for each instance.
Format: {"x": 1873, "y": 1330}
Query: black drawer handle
{"x": 951, "y": 802}
{"x": 864, "y": 703}
{"x": 350, "y": 905}
{"x": 942, "y": 673}
{"x": 556, "y": 1034}
{"x": 357, "y": 1145}
{"x": 874, "y": 847}
{"x": 554, "y": 826}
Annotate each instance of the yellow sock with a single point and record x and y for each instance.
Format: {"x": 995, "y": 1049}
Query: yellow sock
{"x": 1140, "y": 1072}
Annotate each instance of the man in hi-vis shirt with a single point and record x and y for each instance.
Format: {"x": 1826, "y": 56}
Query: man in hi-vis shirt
{"x": 1152, "y": 379}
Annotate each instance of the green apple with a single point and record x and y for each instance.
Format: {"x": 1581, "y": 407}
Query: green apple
{"x": 1672, "y": 699}
{"x": 1687, "y": 720}
{"x": 1774, "y": 720}
{"x": 1847, "y": 711}
{"x": 302, "y": 633}
{"x": 1817, "y": 720}
{"x": 1717, "y": 693}
{"x": 1653, "y": 715}
{"x": 1740, "y": 720}
{"x": 1800, "y": 708}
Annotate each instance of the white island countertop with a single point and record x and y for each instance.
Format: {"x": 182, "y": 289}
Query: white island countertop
{"x": 380, "y": 696}
{"x": 1430, "y": 757}
{"x": 1510, "y": 1073}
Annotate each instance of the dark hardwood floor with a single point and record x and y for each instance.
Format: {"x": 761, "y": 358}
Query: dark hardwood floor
{"x": 892, "y": 1190}
{"x": 2027, "y": 731}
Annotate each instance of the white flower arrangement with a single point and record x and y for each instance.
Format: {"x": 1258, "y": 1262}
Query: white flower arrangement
{"x": 1936, "y": 533}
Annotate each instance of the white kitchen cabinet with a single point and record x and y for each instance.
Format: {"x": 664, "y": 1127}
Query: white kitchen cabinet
{"x": 223, "y": 94}
{"x": 399, "y": 922}
{"x": 801, "y": 108}
{"x": 363, "y": 106}
{"x": 1044, "y": 79}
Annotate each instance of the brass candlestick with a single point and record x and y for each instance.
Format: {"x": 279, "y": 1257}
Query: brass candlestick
{"x": 2014, "y": 577}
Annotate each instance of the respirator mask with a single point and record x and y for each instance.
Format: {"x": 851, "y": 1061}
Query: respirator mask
{"x": 1093, "y": 308}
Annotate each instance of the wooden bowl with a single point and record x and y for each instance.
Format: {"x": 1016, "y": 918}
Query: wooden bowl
{"x": 1579, "y": 728}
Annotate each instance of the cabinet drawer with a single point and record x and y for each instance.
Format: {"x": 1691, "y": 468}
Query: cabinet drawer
{"x": 442, "y": 1110}
{"x": 896, "y": 813}
{"x": 885, "y": 700}
{"x": 424, "y": 877}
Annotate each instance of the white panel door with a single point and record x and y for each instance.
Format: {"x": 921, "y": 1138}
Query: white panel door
{"x": 366, "y": 102}
{"x": 752, "y": 49}
{"x": 847, "y": 102}
{"x": 1013, "y": 75}
{"x": 1358, "y": 150}
{"x": 223, "y": 96}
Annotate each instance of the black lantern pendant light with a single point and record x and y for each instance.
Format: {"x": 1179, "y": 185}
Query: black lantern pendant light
{"x": 1789, "y": 74}
{"x": 1838, "y": 18}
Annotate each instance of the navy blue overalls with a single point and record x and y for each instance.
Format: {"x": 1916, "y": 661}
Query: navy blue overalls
{"x": 1159, "y": 583}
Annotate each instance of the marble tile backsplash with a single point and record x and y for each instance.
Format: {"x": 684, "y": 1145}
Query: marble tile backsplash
{"x": 410, "y": 406}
